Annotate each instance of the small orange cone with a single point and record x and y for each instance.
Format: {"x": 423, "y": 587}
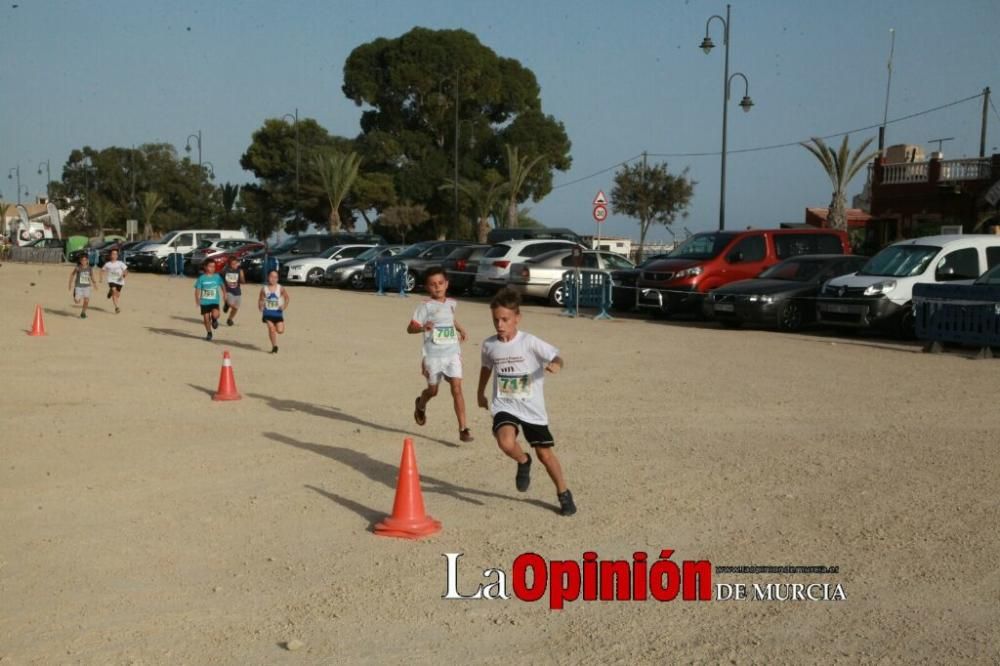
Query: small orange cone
{"x": 38, "y": 326}
{"x": 408, "y": 520}
{"x": 227, "y": 383}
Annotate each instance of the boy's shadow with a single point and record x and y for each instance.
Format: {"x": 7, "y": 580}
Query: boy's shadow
{"x": 336, "y": 414}
{"x": 190, "y": 320}
{"x": 387, "y": 474}
{"x": 183, "y": 334}
{"x": 67, "y": 313}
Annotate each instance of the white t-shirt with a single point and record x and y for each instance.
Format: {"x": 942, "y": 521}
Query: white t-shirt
{"x": 115, "y": 271}
{"x": 518, "y": 375}
{"x": 442, "y": 340}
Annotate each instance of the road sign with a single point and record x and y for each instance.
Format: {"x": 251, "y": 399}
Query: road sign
{"x": 600, "y": 199}
{"x": 600, "y": 213}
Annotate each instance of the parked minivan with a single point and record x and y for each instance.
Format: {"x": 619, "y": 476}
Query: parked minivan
{"x": 181, "y": 241}
{"x": 880, "y": 294}
{"x": 709, "y": 260}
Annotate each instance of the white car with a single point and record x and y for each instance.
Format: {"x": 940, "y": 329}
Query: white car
{"x": 494, "y": 266}
{"x": 310, "y": 270}
{"x": 880, "y": 294}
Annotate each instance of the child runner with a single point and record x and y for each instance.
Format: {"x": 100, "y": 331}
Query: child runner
{"x": 79, "y": 283}
{"x": 272, "y": 303}
{"x": 207, "y": 296}
{"x": 116, "y": 271}
{"x": 233, "y": 276}
{"x": 520, "y": 361}
{"x": 442, "y": 356}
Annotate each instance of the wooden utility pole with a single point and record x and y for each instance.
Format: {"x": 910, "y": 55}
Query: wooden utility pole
{"x": 982, "y": 132}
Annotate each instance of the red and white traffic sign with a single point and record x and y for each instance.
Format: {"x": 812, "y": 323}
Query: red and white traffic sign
{"x": 600, "y": 213}
{"x": 600, "y": 200}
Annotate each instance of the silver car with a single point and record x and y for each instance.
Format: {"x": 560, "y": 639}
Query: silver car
{"x": 351, "y": 273}
{"x": 541, "y": 277}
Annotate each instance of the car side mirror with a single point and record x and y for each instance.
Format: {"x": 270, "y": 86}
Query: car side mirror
{"x": 945, "y": 274}
{"x": 735, "y": 257}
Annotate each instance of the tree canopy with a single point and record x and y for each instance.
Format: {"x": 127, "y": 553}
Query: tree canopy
{"x": 651, "y": 194}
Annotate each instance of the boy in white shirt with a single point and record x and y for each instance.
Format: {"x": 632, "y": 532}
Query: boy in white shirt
{"x": 442, "y": 355}
{"x": 519, "y": 361}
{"x": 116, "y": 271}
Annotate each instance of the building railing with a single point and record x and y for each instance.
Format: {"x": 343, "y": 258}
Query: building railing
{"x": 907, "y": 172}
{"x": 970, "y": 169}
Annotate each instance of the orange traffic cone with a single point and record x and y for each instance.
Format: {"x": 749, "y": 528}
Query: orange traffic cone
{"x": 38, "y": 326}
{"x": 227, "y": 383}
{"x": 408, "y": 520}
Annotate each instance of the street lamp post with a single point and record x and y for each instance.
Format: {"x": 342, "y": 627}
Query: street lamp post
{"x": 295, "y": 124}
{"x": 458, "y": 126}
{"x": 48, "y": 176}
{"x": 187, "y": 144}
{"x": 707, "y": 45}
{"x": 10, "y": 176}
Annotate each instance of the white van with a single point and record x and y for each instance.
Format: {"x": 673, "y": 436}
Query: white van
{"x": 880, "y": 294}
{"x": 181, "y": 241}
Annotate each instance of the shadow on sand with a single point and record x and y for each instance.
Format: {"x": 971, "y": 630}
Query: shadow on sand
{"x": 366, "y": 512}
{"x": 191, "y": 336}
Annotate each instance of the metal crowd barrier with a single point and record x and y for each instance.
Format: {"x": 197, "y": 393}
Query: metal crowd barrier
{"x": 957, "y": 314}
{"x": 390, "y": 275}
{"x": 48, "y": 255}
{"x": 588, "y": 289}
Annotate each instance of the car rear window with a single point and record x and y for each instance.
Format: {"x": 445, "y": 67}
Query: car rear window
{"x": 535, "y": 249}
{"x": 497, "y": 251}
{"x": 792, "y": 245}
{"x": 992, "y": 256}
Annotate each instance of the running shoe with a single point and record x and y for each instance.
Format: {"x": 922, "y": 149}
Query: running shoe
{"x": 523, "y": 478}
{"x": 566, "y": 505}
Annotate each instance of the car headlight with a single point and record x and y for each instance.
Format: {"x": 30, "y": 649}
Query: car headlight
{"x": 763, "y": 299}
{"x": 880, "y": 288}
{"x": 689, "y": 272}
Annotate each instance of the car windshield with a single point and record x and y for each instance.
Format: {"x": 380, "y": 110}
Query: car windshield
{"x": 991, "y": 277}
{"x": 169, "y": 237}
{"x": 414, "y": 250}
{"x": 330, "y": 251}
{"x": 370, "y": 253}
{"x": 702, "y": 246}
{"x": 900, "y": 261}
{"x": 796, "y": 270}
{"x": 205, "y": 243}
{"x": 285, "y": 245}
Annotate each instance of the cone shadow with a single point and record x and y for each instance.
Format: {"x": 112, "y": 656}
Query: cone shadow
{"x": 368, "y": 513}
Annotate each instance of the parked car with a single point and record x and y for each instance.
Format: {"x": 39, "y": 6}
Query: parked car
{"x": 527, "y": 233}
{"x": 460, "y": 267}
{"x": 783, "y": 295}
{"x": 418, "y": 258}
{"x": 102, "y": 249}
{"x": 306, "y": 245}
{"x": 351, "y": 272}
{"x": 312, "y": 270}
{"x": 710, "y": 260}
{"x": 880, "y": 294}
{"x": 541, "y": 276}
{"x": 211, "y": 248}
{"x": 221, "y": 260}
{"x": 494, "y": 266}
{"x": 153, "y": 256}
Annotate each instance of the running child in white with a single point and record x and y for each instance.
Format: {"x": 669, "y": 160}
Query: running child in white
{"x": 116, "y": 271}
{"x": 442, "y": 355}
{"x": 80, "y": 281}
{"x": 518, "y": 362}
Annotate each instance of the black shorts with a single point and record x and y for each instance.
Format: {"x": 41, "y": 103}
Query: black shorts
{"x": 536, "y": 435}
{"x": 205, "y": 309}
{"x": 116, "y": 287}
{"x": 273, "y": 319}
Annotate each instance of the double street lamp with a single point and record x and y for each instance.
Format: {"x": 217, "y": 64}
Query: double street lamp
{"x": 48, "y": 175}
{"x": 746, "y": 103}
{"x": 10, "y": 176}
{"x": 295, "y": 124}
{"x": 187, "y": 144}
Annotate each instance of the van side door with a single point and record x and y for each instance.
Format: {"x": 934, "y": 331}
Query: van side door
{"x": 747, "y": 258}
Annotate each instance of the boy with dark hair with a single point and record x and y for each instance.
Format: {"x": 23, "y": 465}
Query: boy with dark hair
{"x": 207, "y": 296}
{"x": 518, "y": 362}
{"x": 233, "y": 277}
{"x": 441, "y": 354}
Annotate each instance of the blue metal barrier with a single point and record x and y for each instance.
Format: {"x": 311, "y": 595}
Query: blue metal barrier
{"x": 390, "y": 275}
{"x": 175, "y": 264}
{"x": 957, "y": 314}
{"x": 588, "y": 289}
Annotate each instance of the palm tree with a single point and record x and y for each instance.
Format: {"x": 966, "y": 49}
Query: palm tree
{"x": 337, "y": 173}
{"x": 230, "y": 193}
{"x": 102, "y": 211}
{"x": 841, "y": 166}
{"x": 518, "y": 170}
{"x": 149, "y": 204}
{"x": 484, "y": 197}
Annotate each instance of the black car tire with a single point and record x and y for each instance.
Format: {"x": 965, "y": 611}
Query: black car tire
{"x": 906, "y": 325}
{"x": 410, "y": 282}
{"x": 357, "y": 280}
{"x": 790, "y": 316}
{"x": 557, "y": 295}
{"x": 314, "y": 277}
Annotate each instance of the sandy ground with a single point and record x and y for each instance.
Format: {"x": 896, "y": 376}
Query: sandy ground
{"x": 143, "y": 523}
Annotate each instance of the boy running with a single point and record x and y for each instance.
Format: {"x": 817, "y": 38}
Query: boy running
{"x": 207, "y": 296}
{"x": 79, "y": 283}
{"x": 116, "y": 271}
{"x": 442, "y": 357}
{"x": 233, "y": 276}
{"x": 520, "y": 361}
{"x": 272, "y": 303}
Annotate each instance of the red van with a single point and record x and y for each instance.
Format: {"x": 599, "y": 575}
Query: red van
{"x": 711, "y": 259}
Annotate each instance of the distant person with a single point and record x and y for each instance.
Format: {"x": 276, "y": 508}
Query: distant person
{"x": 272, "y": 303}
{"x": 116, "y": 271}
{"x": 207, "y": 296}
{"x": 518, "y": 362}
{"x": 441, "y": 356}
{"x": 80, "y": 281}
{"x": 994, "y": 228}
{"x": 233, "y": 277}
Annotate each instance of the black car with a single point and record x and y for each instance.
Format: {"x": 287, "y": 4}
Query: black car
{"x": 297, "y": 247}
{"x": 783, "y": 295}
{"x": 419, "y": 257}
{"x": 351, "y": 273}
{"x": 461, "y": 265}
{"x": 103, "y": 251}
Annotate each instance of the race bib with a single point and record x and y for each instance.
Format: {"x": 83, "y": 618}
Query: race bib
{"x": 208, "y": 293}
{"x": 444, "y": 335}
{"x": 517, "y": 387}
{"x": 232, "y": 279}
{"x": 84, "y": 279}
{"x": 116, "y": 276}
{"x": 272, "y": 304}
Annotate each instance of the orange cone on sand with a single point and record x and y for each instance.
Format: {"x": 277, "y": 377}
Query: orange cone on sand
{"x": 38, "y": 326}
{"x": 227, "y": 383}
{"x": 408, "y": 520}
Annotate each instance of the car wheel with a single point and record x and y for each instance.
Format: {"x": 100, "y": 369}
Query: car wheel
{"x": 906, "y": 327}
{"x": 557, "y": 294}
{"x": 314, "y": 276}
{"x": 410, "y": 281}
{"x": 357, "y": 280}
{"x": 790, "y": 317}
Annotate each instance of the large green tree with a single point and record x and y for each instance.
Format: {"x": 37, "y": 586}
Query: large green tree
{"x": 432, "y": 94}
{"x": 652, "y": 194}
{"x": 841, "y": 166}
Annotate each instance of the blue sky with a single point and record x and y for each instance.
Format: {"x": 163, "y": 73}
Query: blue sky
{"x": 624, "y": 77}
